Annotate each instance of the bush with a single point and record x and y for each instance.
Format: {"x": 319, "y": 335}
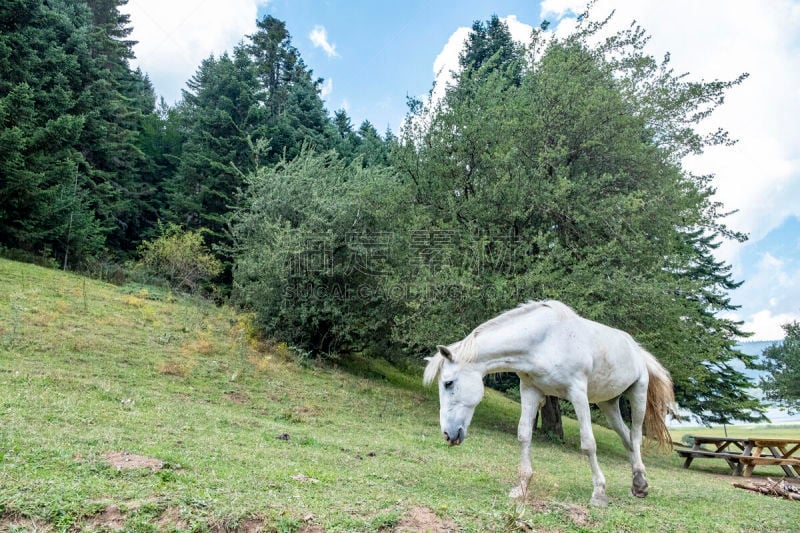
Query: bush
{"x": 315, "y": 253}
{"x": 180, "y": 257}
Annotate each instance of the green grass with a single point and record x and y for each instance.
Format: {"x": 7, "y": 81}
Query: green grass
{"x": 88, "y": 368}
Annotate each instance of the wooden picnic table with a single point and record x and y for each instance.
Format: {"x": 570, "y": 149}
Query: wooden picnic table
{"x": 744, "y": 454}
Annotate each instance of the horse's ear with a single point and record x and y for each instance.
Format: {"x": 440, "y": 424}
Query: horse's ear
{"x": 445, "y": 351}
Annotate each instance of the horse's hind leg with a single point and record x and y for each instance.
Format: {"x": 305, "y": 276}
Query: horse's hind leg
{"x": 611, "y": 410}
{"x": 638, "y": 398}
{"x": 589, "y": 446}
{"x": 530, "y": 398}
{"x": 614, "y": 417}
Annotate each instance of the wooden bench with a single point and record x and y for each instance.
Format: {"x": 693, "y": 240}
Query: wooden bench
{"x": 769, "y": 461}
{"x": 786, "y": 463}
{"x": 692, "y": 454}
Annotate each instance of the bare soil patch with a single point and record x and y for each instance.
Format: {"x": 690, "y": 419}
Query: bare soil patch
{"x": 13, "y": 521}
{"x": 171, "y": 520}
{"x": 423, "y": 519}
{"x": 247, "y": 525}
{"x": 236, "y": 397}
{"x": 125, "y": 460}
{"x": 111, "y": 518}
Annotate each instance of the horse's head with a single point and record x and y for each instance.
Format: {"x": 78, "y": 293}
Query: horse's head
{"x": 460, "y": 391}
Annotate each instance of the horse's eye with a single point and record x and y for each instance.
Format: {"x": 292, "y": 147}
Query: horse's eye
{"x": 448, "y": 384}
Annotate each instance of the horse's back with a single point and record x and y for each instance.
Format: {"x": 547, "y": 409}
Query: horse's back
{"x": 607, "y": 358}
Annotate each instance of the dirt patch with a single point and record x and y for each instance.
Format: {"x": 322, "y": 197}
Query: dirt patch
{"x": 579, "y": 515}
{"x": 423, "y": 519}
{"x": 171, "y": 520}
{"x": 311, "y": 528}
{"x": 110, "y": 518}
{"x": 251, "y": 525}
{"x": 236, "y": 397}
{"x": 9, "y": 522}
{"x": 125, "y": 460}
{"x": 247, "y": 525}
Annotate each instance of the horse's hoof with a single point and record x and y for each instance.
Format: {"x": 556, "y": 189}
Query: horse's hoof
{"x": 599, "y": 500}
{"x": 639, "y": 487}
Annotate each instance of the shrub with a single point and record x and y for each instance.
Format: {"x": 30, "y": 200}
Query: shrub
{"x": 315, "y": 250}
{"x": 180, "y": 257}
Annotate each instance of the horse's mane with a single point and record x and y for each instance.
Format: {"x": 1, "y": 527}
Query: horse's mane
{"x": 513, "y": 313}
{"x": 466, "y": 350}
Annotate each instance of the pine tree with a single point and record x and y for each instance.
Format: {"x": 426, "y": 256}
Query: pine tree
{"x": 242, "y": 110}
{"x": 116, "y": 102}
{"x": 48, "y": 206}
{"x": 782, "y": 361}
{"x": 72, "y": 114}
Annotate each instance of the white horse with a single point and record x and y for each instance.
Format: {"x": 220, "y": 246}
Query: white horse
{"x": 558, "y": 353}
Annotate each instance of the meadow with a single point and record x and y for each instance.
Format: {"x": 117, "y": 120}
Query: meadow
{"x": 242, "y": 434}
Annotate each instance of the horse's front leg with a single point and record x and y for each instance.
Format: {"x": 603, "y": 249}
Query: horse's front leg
{"x": 588, "y": 445}
{"x": 530, "y": 398}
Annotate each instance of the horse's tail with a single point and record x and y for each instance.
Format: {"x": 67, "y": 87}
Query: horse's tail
{"x": 660, "y": 402}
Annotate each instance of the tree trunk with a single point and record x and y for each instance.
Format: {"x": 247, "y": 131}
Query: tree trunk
{"x": 551, "y": 418}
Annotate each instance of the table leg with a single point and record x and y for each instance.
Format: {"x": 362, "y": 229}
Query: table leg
{"x": 738, "y": 471}
{"x": 781, "y": 453}
{"x": 748, "y": 469}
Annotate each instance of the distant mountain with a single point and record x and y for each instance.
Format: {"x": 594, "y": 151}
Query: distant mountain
{"x": 755, "y": 347}
{"x": 752, "y": 348}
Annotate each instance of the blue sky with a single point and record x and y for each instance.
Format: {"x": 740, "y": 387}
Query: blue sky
{"x": 375, "y": 54}
{"x": 385, "y": 50}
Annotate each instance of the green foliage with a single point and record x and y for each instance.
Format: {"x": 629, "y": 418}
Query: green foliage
{"x": 262, "y": 95}
{"x": 548, "y": 172}
{"x": 316, "y": 249}
{"x": 782, "y": 361}
{"x": 554, "y": 172}
{"x": 71, "y": 171}
{"x": 180, "y": 257}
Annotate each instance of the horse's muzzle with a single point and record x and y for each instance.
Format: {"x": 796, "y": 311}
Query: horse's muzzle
{"x": 457, "y": 439}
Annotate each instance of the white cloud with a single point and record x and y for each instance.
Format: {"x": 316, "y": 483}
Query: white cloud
{"x": 319, "y": 37}
{"x": 326, "y": 88}
{"x": 447, "y": 62}
{"x": 772, "y": 296}
{"x": 176, "y": 35}
{"x": 766, "y": 326}
{"x": 560, "y": 8}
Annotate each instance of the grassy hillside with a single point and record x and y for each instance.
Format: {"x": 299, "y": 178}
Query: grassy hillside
{"x": 95, "y": 379}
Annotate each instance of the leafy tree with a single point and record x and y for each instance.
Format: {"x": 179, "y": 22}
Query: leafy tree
{"x": 554, "y": 172}
{"x": 782, "y": 361}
